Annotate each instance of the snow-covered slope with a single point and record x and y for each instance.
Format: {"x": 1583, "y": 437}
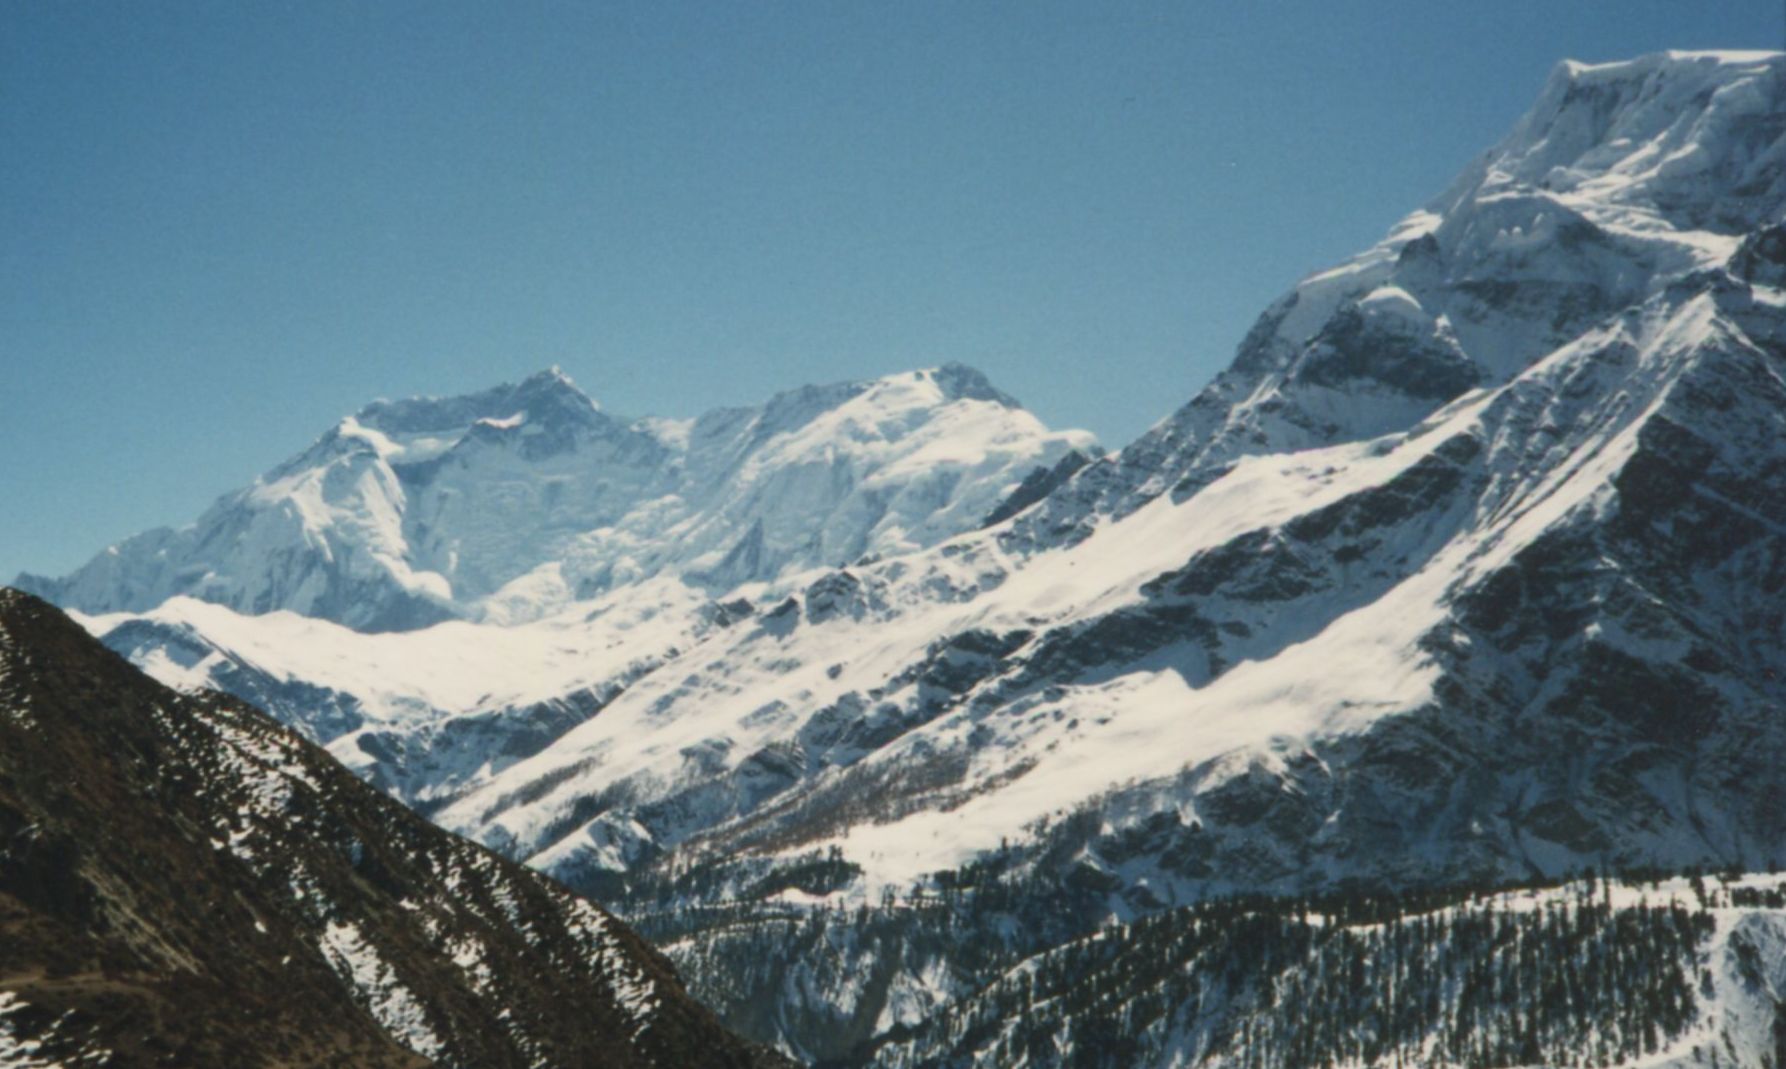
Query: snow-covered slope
{"x": 506, "y": 505}
{"x": 1587, "y": 541}
{"x": 422, "y": 713}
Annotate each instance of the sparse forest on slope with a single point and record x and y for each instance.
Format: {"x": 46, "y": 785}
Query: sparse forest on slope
{"x": 1576, "y": 975}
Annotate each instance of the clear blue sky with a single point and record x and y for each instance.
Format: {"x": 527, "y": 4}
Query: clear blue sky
{"x": 223, "y": 225}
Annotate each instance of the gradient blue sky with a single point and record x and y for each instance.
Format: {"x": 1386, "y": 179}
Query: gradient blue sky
{"x": 224, "y": 225}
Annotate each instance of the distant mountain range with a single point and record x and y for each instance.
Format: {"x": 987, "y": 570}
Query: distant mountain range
{"x": 506, "y": 505}
{"x": 1468, "y": 570}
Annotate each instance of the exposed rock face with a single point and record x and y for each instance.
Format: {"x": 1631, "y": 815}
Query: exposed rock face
{"x": 184, "y": 882}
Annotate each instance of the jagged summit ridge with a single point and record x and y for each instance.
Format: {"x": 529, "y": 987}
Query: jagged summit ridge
{"x": 1691, "y": 137}
{"x": 1622, "y": 179}
{"x": 539, "y": 396}
{"x": 513, "y": 502}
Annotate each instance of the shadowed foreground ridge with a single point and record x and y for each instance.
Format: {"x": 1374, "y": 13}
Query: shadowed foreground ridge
{"x": 184, "y": 882}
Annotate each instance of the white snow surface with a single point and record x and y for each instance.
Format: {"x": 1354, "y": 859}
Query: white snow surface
{"x": 17, "y": 1052}
{"x": 455, "y": 665}
{"x": 391, "y": 1004}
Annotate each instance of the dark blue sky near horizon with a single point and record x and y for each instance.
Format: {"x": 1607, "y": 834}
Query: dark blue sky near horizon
{"x": 225, "y": 225}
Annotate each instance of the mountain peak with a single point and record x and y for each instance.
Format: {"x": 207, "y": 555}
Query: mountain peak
{"x": 1684, "y": 137}
{"x": 553, "y": 372}
{"x": 547, "y": 396}
{"x": 1645, "y": 65}
{"x": 553, "y": 381}
{"x": 549, "y": 392}
{"x": 959, "y": 382}
{"x": 1620, "y": 179}
{"x": 414, "y": 509}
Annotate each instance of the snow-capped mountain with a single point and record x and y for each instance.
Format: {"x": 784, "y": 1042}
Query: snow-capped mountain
{"x": 508, "y": 504}
{"x": 1468, "y": 569}
{"x": 1471, "y": 574}
{"x": 185, "y": 882}
{"x": 1622, "y": 179}
{"x": 1512, "y": 622}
